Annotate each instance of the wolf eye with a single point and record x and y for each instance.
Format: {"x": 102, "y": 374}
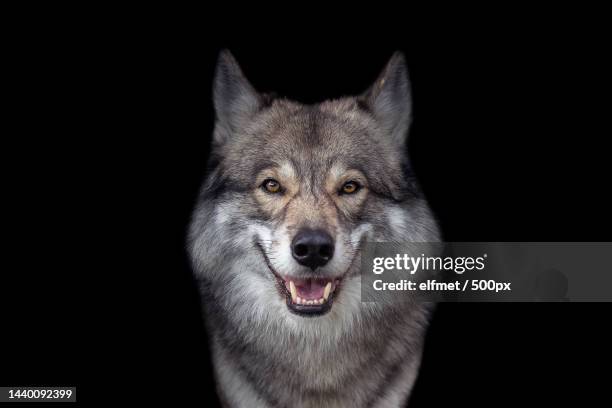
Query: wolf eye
{"x": 350, "y": 187}
{"x": 271, "y": 186}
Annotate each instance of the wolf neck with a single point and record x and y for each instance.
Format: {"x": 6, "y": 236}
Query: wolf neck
{"x": 373, "y": 362}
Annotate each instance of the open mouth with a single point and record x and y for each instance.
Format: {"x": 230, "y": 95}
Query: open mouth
{"x": 309, "y": 297}
{"x": 306, "y": 296}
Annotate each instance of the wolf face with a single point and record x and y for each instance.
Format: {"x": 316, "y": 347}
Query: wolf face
{"x": 302, "y": 186}
{"x": 293, "y": 192}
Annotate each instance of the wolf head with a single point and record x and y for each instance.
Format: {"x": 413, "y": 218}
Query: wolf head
{"x": 294, "y": 190}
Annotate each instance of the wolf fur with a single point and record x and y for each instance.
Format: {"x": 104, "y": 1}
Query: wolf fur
{"x": 357, "y": 354}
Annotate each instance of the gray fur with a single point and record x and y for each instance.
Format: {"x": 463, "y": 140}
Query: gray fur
{"x": 358, "y": 354}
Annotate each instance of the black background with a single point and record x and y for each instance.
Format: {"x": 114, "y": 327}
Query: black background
{"x": 106, "y": 144}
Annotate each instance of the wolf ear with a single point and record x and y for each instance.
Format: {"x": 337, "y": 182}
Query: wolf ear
{"x": 234, "y": 98}
{"x": 389, "y": 98}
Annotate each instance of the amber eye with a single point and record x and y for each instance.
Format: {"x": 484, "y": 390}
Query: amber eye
{"x": 350, "y": 187}
{"x": 271, "y": 186}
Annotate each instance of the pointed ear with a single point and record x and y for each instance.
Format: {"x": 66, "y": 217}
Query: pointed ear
{"x": 234, "y": 98}
{"x": 389, "y": 99}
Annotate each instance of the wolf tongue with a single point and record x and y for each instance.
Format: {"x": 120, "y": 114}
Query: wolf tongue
{"x": 310, "y": 289}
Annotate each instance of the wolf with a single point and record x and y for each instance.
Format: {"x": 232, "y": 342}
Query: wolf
{"x": 292, "y": 194}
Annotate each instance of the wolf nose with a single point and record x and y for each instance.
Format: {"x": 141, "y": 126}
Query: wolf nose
{"x": 312, "y": 248}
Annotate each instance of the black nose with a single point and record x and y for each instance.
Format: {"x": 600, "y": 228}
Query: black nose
{"x": 312, "y": 248}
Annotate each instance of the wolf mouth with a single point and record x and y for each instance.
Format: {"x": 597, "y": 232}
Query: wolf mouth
{"x": 306, "y": 296}
{"x": 309, "y": 297}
